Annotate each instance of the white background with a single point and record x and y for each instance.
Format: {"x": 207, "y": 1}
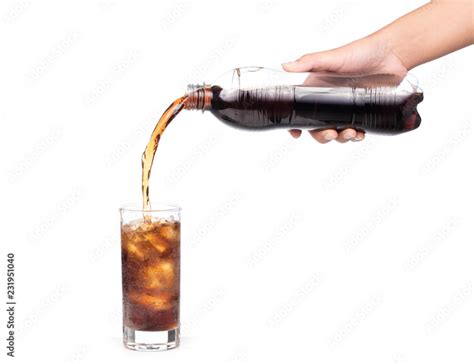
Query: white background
{"x": 291, "y": 251}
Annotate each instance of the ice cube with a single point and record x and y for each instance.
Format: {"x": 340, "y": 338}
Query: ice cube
{"x": 160, "y": 275}
{"x": 146, "y": 227}
{"x": 166, "y": 268}
{"x": 157, "y": 302}
{"x": 159, "y": 244}
{"x": 170, "y": 232}
{"x": 134, "y": 251}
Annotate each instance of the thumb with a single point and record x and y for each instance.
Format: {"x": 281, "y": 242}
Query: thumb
{"x": 319, "y": 61}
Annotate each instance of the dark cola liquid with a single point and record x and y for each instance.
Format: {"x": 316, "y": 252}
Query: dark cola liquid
{"x": 151, "y": 275}
{"x": 377, "y": 110}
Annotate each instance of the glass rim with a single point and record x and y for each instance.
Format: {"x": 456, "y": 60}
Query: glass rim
{"x": 157, "y": 207}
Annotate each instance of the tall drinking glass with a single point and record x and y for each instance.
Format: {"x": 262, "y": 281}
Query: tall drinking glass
{"x": 150, "y": 277}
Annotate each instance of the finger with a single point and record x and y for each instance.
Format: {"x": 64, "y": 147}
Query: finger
{"x": 296, "y": 66}
{"x": 302, "y": 64}
{"x": 359, "y": 136}
{"x": 295, "y": 133}
{"x": 346, "y": 135}
{"x": 319, "y": 61}
{"x": 323, "y": 136}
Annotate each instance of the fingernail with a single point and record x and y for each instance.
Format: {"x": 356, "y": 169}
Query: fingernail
{"x": 292, "y": 63}
{"x": 328, "y": 136}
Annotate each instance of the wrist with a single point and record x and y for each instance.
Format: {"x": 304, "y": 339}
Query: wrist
{"x": 385, "y": 52}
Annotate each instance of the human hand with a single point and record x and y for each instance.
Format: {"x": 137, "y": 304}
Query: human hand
{"x": 367, "y": 56}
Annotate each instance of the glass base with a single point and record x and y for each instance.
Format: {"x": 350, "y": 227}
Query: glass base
{"x": 150, "y": 340}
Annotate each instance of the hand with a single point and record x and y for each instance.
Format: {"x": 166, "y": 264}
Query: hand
{"x": 325, "y": 136}
{"x": 363, "y": 57}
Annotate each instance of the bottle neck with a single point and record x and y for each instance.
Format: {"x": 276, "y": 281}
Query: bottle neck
{"x": 199, "y": 97}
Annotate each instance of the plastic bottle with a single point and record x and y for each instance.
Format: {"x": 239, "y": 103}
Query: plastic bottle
{"x": 260, "y": 98}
